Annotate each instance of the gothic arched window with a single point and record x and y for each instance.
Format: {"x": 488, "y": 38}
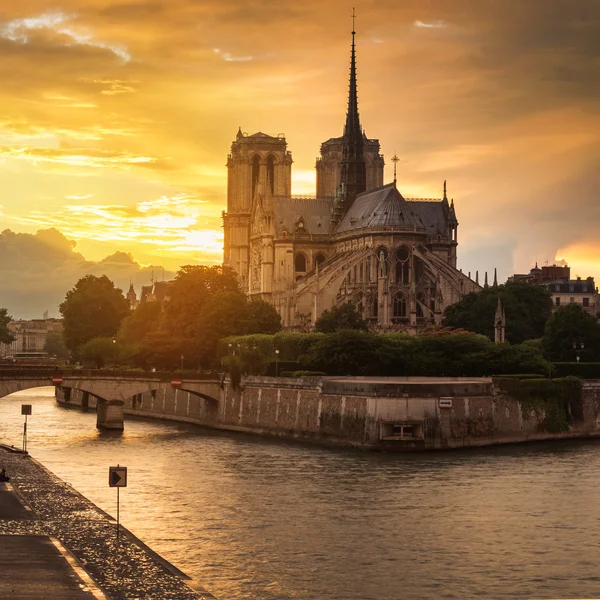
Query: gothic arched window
{"x": 255, "y": 172}
{"x": 319, "y": 258}
{"x": 300, "y": 263}
{"x": 399, "y": 306}
{"x": 402, "y": 265}
{"x": 271, "y": 172}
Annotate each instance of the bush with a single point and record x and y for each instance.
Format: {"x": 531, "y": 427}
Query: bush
{"x": 589, "y": 370}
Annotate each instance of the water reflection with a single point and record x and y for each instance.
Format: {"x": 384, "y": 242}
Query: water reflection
{"x": 254, "y": 519}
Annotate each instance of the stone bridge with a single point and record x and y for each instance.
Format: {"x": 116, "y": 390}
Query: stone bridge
{"x": 110, "y": 390}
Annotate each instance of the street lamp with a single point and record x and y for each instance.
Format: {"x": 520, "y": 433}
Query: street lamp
{"x": 578, "y": 347}
{"x": 182, "y": 362}
{"x": 276, "y": 363}
{"x": 114, "y": 353}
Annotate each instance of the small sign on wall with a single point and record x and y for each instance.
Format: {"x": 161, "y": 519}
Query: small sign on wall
{"x": 445, "y": 402}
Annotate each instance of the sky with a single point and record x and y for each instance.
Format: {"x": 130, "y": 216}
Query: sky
{"x": 116, "y": 118}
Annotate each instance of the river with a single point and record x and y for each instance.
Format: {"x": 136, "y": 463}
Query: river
{"x": 252, "y": 519}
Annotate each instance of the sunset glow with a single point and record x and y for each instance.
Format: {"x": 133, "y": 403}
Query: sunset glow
{"x": 117, "y": 118}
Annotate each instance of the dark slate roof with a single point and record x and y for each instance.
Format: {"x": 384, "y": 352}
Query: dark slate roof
{"x": 386, "y": 207}
{"x": 316, "y": 214}
{"x": 434, "y": 215}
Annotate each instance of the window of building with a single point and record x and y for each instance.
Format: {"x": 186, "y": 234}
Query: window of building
{"x": 402, "y": 265}
{"x": 300, "y": 262}
{"x": 557, "y": 299}
{"x": 557, "y": 287}
{"x": 571, "y": 287}
{"x": 271, "y": 172}
{"x": 571, "y": 300}
{"x": 586, "y": 301}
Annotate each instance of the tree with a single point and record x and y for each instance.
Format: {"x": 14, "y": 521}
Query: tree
{"x": 192, "y": 289}
{"x": 5, "y": 336}
{"x": 55, "y": 346}
{"x": 263, "y": 317}
{"x": 571, "y": 325}
{"x": 100, "y": 351}
{"x": 344, "y": 316}
{"x": 93, "y": 308}
{"x": 142, "y": 321}
{"x": 527, "y": 308}
{"x": 230, "y": 313}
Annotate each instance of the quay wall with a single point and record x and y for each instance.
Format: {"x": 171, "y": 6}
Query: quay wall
{"x": 386, "y": 414}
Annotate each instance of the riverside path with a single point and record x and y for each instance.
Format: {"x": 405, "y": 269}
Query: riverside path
{"x": 56, "y": 545}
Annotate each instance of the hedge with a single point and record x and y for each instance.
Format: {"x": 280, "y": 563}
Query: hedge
{"x": 584, "y": 370}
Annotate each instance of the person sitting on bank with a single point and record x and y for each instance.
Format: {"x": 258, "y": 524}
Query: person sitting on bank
{"x": 3, "y": 475}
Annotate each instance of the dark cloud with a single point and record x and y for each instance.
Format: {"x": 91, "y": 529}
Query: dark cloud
{"x": 37, "y": 270}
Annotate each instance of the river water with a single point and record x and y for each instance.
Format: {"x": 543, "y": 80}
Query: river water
{"x": 257, "y": 520}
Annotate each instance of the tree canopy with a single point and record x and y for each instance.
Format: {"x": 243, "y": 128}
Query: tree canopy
{"x": 527, "y": 309}
{"x": 571, "y": 325}
{"x": 5, "y": 319}
{"x": 344, "y": 316}
{"x": 55, "y": 345}
{"x": 93, "y": 308}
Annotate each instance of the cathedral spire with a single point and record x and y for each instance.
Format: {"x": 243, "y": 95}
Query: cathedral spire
{"x": 353, "y": 176}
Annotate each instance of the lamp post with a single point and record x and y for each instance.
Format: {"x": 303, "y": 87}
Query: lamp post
{"x": 182, "y": 362}
{"x": 276, "y": 363}
{"x": 578, "y": 347}
{"x": 114, "y": 353}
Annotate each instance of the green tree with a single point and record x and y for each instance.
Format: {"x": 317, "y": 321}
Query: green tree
{"x": 571, "y": 325}
{"x": 100, "y": 351}
{"x": 527, "y": 309}
{"x": 263, "y": 317}
{"x": 5, "y": 335}
{"x": 142, "y": 321}
{"x": 192, "y": 289}
{"x": 93, "y": 308}
{"x": 55, "y": 346}
{"x": 350, "y": 352}
{"x": 230, "y": 313}
{"x": 344, "y": 316}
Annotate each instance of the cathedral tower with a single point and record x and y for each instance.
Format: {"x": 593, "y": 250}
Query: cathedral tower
{"x": 350, "y": 164}
{"x": 256, "y": 162}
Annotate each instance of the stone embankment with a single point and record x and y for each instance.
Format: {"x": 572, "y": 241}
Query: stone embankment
{"x": 121, "y": 569}
{"x": 391, "y": 414}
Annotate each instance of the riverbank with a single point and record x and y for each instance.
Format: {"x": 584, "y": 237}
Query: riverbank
{"x": 122, "y": 569}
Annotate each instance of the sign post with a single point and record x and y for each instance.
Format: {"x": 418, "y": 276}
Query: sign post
{"x": 25, "y": 410}
{"x": 117, "y": 477}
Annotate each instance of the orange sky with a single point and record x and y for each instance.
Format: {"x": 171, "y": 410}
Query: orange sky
{"x": 116, "y": 117}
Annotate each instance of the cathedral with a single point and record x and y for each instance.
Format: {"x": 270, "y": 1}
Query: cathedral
{"x": 356, "y": 241}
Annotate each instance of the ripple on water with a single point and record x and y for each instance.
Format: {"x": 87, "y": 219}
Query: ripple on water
{"x": 253, "y": 519}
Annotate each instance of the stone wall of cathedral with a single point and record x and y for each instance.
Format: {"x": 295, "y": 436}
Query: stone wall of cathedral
{"x": 328, "y": 166}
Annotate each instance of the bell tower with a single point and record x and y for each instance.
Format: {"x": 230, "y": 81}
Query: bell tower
{"x": 256, "y": 162}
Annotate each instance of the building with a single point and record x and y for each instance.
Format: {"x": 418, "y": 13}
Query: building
{"x": 356, "y": 241}
{"x": 564, "y": 290}
{"x": 30, "y": 336}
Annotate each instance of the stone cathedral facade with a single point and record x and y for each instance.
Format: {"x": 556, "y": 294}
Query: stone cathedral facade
{"x": 356, "y": 241}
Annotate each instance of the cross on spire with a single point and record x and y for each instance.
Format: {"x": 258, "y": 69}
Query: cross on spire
{"x": 395, "y": 160}
{"x": 353, "y": 18}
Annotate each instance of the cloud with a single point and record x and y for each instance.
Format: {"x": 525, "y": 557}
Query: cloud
{"x": 433, "y": 25}
{"x": 37, "y": 270}
{"x": 179, "y": 225}
{"x": 20, "y": 30}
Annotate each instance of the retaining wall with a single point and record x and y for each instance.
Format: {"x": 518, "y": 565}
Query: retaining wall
{"x": 388, "y": 414}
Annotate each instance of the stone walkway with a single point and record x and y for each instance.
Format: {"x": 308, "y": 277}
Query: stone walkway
{"x": 122, "y": 570}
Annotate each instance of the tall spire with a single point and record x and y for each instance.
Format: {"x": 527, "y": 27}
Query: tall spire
{"x": 353, "y": 176}
{"x": 352, "y": 129}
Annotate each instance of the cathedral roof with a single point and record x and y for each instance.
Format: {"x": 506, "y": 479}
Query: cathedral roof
{"x": 383, "y": 207}
{"x": 434, "y": 215}
{"x": 315, "y": 215}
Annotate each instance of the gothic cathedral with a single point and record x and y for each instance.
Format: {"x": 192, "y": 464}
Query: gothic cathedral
{"x": 357, "y": 241}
